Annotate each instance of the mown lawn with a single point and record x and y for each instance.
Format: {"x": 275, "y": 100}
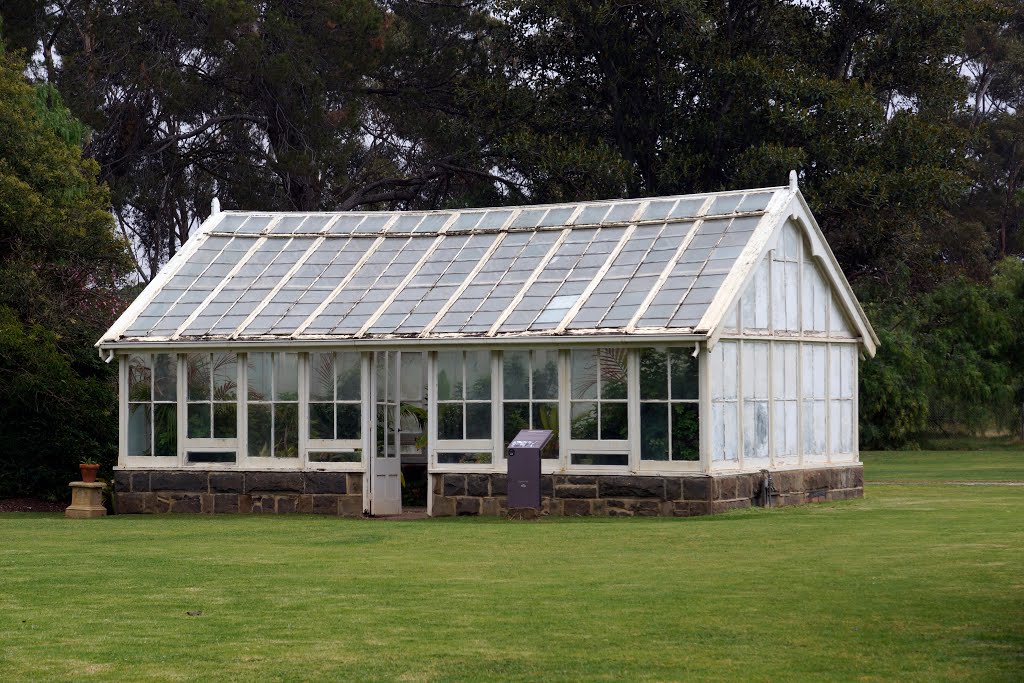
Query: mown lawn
{"x": 911, "y": 583}
{"x": 1000, "y": 464}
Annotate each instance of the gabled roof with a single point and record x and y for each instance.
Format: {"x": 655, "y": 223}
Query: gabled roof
{"x": 624, "y": 267}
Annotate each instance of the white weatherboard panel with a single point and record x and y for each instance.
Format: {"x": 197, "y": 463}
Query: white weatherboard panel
{"x": 816, "y": 294}
{"x": 786, "y": 404}
{"x": 841, "y": 394}
{"x": 724, "y": 402}
{"x": 754, "y": 308}
{"x": 786, "y": 281}
{"x": 814, "y": 373}
{"x": 755, "y": 404}
{"x": 837, "y": 325}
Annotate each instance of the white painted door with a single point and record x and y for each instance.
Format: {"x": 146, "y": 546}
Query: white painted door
{"x": 386, "y": 463}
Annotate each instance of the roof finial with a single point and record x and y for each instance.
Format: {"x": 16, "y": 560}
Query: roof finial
{"x": 214, "y": 207}
{"x": 792, "y": 181}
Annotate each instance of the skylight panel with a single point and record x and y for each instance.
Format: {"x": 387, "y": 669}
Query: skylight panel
{"x": 657, "y": 211}
{"x": 347, "y": 223}
{"x": 726, "y": 203}
{"x": 556, "y": 216}
{"x": 592, "y": 214}
{"x": 688, "y": 208}
{"x": 287, "y": 224}
{"x": 528, "y": 218}
{"x": 255, "y": 224}
{"x": 622, "y": 213}
{"x": 757, "y": 201}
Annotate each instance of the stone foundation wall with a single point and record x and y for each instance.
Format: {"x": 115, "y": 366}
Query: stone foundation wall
{"x": 328, "y": 493}
{"x": 665, "y": 496}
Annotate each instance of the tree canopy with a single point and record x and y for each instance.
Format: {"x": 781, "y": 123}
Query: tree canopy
{"x": 903, "y": 118}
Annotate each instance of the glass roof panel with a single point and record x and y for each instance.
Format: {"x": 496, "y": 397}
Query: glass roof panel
{"x": 557, "y": 216}
{"x": 373, "y": 223}
{"x": 688, "y": 208}
{"x": 494, "y": 219}
{"x": 288, "y": 224}
{"x": 658, "y": 210}
{"x": 347, "y": 223}
{"x": 725, "y": 203}
{"x": 625, "y": 280}
{"x": 622, "y": 213}
{"x": 255, "y": 224}
{"x": 756, "y": 201}
{"x": 230, "y": 222}
{"x": 592, "y": 214}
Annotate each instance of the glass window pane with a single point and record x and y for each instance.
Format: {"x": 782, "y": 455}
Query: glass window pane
{"x": 545, "y": 373}
{"x": 259, "y": 430}
{"x": 685, "y": 431}
{"x": 225, "y": 421}
{"x": 348, "y": 421}
{"x": 259, "y": 368}
{"x": 286, "y": 377}
{"x": 211, "y": 456}
{"x": 614, "y": 424}
{"x": 478, "y": 420}
{"x": 413, "y": 386}
{"x": 165, "y": 429}
{"x": 449, "y": 421}
{"x": 355, "y": 455}
{"x": 349, "y": 367}
{"x": 225, "y": 376}
{"x": 165, "y": 377}
{"x": 515, "y": 374}
{"x": 286, "y": 430}
{"x": 600, "y": 459}
{"x": 199, "y": 420}
{"x": 321, "y": 420}
{"x": 478, "y": 374}
{"x": 516, "y": 416}
{"x": 545, "y": 416}
{"x": 613, "y": 373}
{"x": 653, "y": 374}
{"x": 583, "y": 364}
{"x": 139, "y": 429}
{"x": 685, "y": 382}
{"x": 139, "y": 377}
{"x": 654, "y": 431}
{"x": 321, "y": 378}
{"x": 584, "y": 420}
{"x": 464, "y": 458}
{"x": 197, "y": 371}
{"x": 449, "y": 375}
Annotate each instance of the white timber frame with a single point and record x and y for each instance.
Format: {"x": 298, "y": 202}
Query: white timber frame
{"x": 784, "y": 311}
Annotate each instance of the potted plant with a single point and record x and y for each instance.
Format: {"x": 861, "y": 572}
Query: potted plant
{"x": 89, "y": 467}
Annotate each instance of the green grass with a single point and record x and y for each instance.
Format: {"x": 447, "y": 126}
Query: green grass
{"x": 911, "y": 583}
{"x": 984, "y": 465}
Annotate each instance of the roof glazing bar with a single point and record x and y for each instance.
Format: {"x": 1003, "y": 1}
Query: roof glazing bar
{"x": 532, "y": 276}
{"x": 256, "y": 245}
{"x": 413, "y": 272}
{"x": 337, "y": 290}
{"x": 596, "y": 280}
{"x": 277, "y": 288}
{"x": 457, "y": 294}
{"x": 670, "y": 265}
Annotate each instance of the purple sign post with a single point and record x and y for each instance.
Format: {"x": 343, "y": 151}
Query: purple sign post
{"x": 523, "y": 458}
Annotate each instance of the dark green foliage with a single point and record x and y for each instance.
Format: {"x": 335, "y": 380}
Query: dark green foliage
{"x": 59, "y": 264}
{"x": 950, "y": 361}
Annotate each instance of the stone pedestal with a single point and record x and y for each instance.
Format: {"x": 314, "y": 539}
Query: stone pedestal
{"x": 86, "y": 500}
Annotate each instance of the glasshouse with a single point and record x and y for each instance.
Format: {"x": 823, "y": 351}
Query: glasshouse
{"x": 690, "y": 355}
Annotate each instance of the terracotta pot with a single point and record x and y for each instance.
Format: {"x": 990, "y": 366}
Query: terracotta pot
{"x": 88, "y": 472}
